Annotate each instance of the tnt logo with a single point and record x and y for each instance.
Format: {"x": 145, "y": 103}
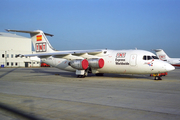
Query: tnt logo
{"x": 41, "y": 47}
{"x": 121, "y": 55}
{"x": 162, "y": 57}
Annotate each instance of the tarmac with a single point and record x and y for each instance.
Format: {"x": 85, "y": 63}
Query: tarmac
{"x": 50, "y": 93}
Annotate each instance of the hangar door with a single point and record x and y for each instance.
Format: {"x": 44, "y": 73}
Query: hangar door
{"x": 26, "y": 64}
{"x": 133, "y": 59}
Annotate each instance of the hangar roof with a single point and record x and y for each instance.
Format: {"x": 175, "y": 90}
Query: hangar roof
{"x": 10, "y": 35}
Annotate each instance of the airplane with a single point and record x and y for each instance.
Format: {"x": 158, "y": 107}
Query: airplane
{"x": 163, "y": 56}
{"x": 97, "y": 61}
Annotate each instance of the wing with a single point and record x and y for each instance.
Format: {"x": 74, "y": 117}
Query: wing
{"x": 70, "y": 55}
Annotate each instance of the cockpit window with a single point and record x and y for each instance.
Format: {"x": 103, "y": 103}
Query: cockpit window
{"x": 147, "y": 57}
{"x": 155, "y": 57}
{"x": 144, "y": 57}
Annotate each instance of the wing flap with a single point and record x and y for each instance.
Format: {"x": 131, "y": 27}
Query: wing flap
{"x": 68, "y": 57}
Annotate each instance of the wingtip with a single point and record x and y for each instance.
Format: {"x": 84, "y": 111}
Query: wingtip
{"x": 156, "y": 50}
{"x": 48, "y": 34}
{"x": 7, "y": 30}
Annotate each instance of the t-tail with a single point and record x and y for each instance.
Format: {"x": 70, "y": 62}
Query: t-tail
{"x": 39, "y": 40}
{"x": 161, "y": 54}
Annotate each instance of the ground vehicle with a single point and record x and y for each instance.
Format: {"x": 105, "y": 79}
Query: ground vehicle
{"x": 44, "y": 65}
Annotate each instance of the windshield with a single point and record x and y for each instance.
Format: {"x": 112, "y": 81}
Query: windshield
{"x": 148, "y": 57}
{"x": 155, "y": 57}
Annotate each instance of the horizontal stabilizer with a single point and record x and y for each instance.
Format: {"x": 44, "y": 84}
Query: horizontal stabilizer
{"x": 156, "y": 50}
{"x": 23, "y": 31}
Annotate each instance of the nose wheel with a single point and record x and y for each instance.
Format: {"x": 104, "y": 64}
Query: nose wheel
{"x": 157, "y": 78}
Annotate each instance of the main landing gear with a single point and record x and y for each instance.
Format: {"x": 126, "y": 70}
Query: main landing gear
{"x": 81, "y": 73}
{"x": 84, "y": 73}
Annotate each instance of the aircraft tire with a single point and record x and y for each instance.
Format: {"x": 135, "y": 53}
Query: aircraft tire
{"x": 80, "y": 76}
{"x": 85, "y": 74}
{"x": 157, "y": 78}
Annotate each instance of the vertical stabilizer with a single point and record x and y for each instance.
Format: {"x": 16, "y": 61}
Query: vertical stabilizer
{"x": 161, "y": 54}
{"x": 39, "y": 40}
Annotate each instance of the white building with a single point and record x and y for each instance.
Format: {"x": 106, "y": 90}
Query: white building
{"x": 12, "y": 45}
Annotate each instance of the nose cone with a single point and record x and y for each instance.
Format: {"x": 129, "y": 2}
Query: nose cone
{"x": 169, "y": 67}
{"x": 162, "y": 66}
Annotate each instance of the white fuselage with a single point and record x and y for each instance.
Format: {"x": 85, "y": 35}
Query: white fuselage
{"x": 120, "y": 61}
{"x": 96, "y": 61}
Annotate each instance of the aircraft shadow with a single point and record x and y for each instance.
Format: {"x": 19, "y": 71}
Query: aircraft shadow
{"x": 73, "y": 75}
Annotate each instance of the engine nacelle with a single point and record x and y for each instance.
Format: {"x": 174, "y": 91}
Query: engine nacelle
{"x": 96, "y": 63}
{"x": 79, "y": 64}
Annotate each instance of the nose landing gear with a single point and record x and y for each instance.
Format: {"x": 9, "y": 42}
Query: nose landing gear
{"x": 157, "y": 76}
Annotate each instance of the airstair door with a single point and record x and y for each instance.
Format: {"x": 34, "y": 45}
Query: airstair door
{"x": 133, "y": 60}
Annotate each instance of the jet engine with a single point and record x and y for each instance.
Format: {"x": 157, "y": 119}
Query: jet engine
{"x": 79, "y": 64}
{"x": 96, "y": 62}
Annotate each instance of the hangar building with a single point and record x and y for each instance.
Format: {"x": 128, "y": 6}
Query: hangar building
{"x": 12, "y": 45}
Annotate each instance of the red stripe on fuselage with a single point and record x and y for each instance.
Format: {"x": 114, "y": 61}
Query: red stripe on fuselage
{"x": 177, "y": 65}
